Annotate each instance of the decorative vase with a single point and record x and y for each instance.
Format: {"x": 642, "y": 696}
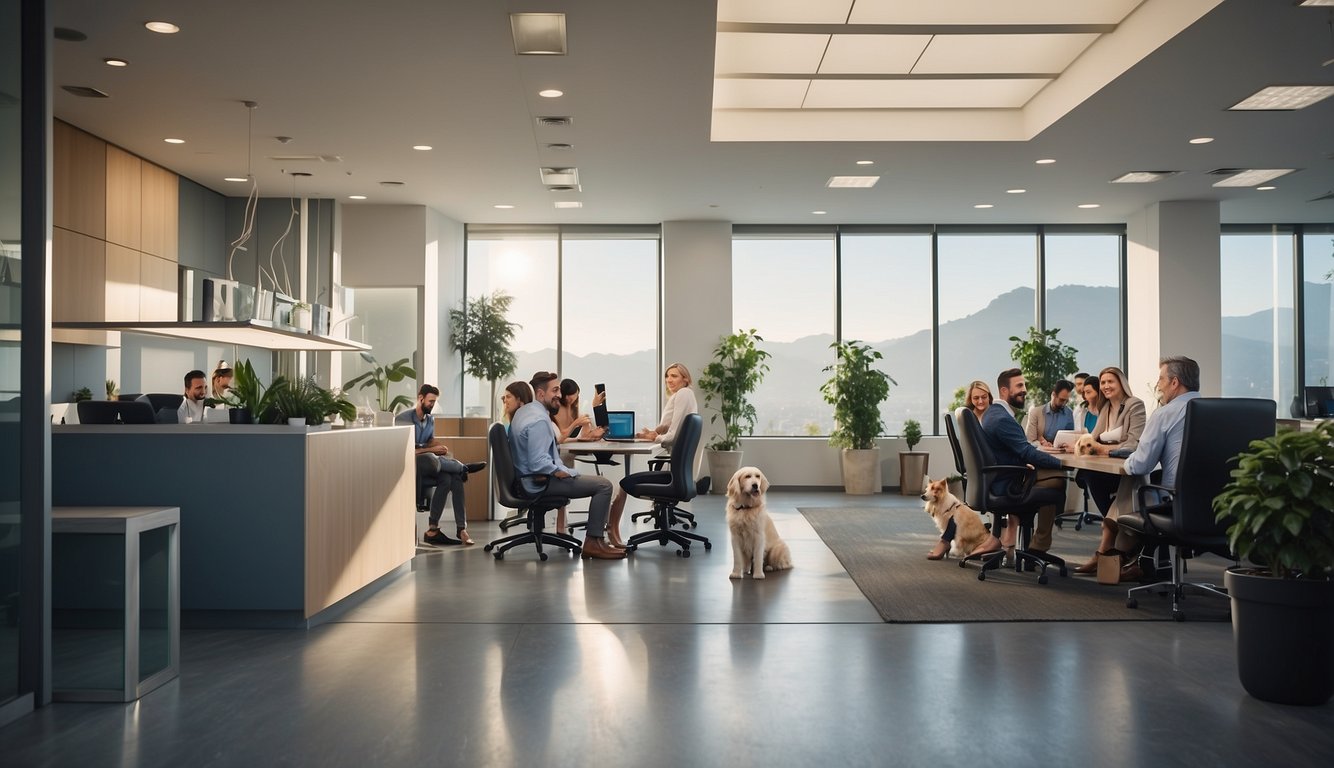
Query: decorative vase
{"x": 912, "y": 471}
{"x": 722, "y": 465}
{"x": 1284, "y": 629}
{"x": 240, "y": 416}
{"x": 297, "y": 421}
{"x": 384, "y": 418}
{"x": 861, "y": 471}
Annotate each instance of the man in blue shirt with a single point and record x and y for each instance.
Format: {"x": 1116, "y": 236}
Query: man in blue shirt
{"x": 1011, "y": 446}
{"x": 435, "y": 467}
{"x": 1045, "y": 422}
{"x": 537, "y": 460}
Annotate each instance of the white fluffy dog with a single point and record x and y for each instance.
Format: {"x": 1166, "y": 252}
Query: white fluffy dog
{"x": 1084, "y": 445}
{"x": 756, "y": 547}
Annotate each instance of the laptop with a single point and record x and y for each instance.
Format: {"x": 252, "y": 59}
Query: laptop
{"x": 620, "y": 427}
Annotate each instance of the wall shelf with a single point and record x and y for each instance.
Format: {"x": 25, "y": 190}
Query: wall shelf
{"x": 248, "y": 333}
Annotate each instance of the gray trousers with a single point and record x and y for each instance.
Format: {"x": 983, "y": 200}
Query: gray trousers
{"x": 593, "y": 487}
{"x": 446, "y": 475}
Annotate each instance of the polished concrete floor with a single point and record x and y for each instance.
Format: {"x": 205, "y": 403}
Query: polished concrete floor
{"x": 664, "y": 661}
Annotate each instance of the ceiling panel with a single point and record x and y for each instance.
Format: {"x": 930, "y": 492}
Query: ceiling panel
{"x": 991, "y": 11}
{"x": 921, "y": 94}
{"x": 1001, "y": 54}
{"x": 759, "y": 94}
{"x": 785, "y": 11}
{"x": 873, "y": 54}
{"x": 778, "y": 53}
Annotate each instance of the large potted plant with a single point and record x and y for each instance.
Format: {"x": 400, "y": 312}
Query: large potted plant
{"x": 301, "y": 400}
{"x": 856, "y": 389}
{"x": 246, "y": 398}
{"x": 380, "y": 377}
{"x": 737, "y": 368}
{"x": 480, "y": 332}
{"x": 912, "y": 463}
{"x": 1279, "y": 506}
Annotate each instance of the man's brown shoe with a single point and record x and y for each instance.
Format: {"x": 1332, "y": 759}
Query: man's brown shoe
{"x": 597, "y": 548}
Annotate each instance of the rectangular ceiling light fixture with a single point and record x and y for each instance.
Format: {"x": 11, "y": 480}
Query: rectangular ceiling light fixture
{"x": 1143, "y": 177}
{"x": 564, "y": 177}
{"x": 1252, "y": 177}
{"x": 1284, "y": 97}
{"x": 1315, "y": 3}
{"x": 568, "y": 204}
{"x": 851, "y": 182}
{"x": 538, "y": 34}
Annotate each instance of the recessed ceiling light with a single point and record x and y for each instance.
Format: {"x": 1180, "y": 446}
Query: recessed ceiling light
{"x": 568, "y": 204}
{"x": 1251, "y": 177}
{"x": 235, "y": 178}
{"x": 1284, "y": 97}
{"x": 1015, "y": 191}
{"x": 162, "y": 27}
{"x": 1265, "y": 189}
{"x": 356, "y": 197}
{"x": 1314, "y": 3}
{"x": 819, "y": 213}
{"x": 1143, "y": 177}
{"x": 422, "y": 147}
{"x": 851, "y": 182}
{"x": 503, "y": 207}
{"x": 551, "y": 93}
{"x": 1089, "y": 205}
{"x": 1045, "y": 161}
{"x": 174, "y": 141}
{"x": 116, "y": 62}
{"x": 865, "y": 162}
{"x": 1202, "y": 140}
{"x": 984, "y": 205}
{"x": 538, "y": 34}
{"x": 565, "y": 177}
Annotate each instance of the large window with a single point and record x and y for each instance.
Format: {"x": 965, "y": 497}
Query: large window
{"x": 1082, "y": 276}
{"x": 1258, "y": 323}
{"x": 1318, "y": 311}
{"x": 586, "y": 301}
{"x": 783, "y": 287}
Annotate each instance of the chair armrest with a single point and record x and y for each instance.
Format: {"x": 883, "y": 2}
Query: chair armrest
{"x": 650, "y": 477}
{"x": 1028, "y": 477}
{"x": 658, "y": 462}
{"x": 1141, "y": 502}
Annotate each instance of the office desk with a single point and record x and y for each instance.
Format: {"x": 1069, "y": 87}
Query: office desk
{"x": 1104, "y": 464}
{"x": 626, "y": 450}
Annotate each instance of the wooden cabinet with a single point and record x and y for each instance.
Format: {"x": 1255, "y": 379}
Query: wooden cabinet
{"x": 123, "y": 190}
{"x": 78, "y": 277}
{"x": 159, "y": 204}
{"x": 158, "y": 286}
{"x": 122, "y": 284}
{"x": 78, "y": 188}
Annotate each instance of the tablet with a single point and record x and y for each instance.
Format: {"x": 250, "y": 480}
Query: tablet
{"x": 1065, "y": 438}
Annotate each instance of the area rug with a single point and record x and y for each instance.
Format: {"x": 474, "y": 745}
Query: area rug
{"x": 884, "y": 551}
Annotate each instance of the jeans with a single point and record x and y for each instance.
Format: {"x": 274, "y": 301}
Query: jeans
{"x": 447, "y": 476}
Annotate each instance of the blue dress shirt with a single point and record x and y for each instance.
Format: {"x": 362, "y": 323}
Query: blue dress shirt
{"x": 1055, "y": 420}
{"x": 1161, "y": 441}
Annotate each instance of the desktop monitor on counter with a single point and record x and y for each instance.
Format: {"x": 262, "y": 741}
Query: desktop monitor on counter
{"x": 1319, "y": 402}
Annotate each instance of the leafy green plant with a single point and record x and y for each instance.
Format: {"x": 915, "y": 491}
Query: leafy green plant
{"x": 1279, "y": 503}
{"x": 380, "y": 377}
{"x": 959, "y": 400}
{"x": 112, "y": 389}
{"x": 1044, "y": 359}
{"x": 246, "y": 393}
{"x": 481, "y": 333}
{"x": 81, "y": 394}
{"x": 737, "y": 368}
{"x": 856, "y": 390}
{"x": 303, "y": 398}
{"x": 912, "y": 433}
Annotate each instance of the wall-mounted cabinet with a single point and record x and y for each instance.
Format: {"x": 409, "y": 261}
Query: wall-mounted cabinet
{"x": 78, "y": 276}
{"x": 80, "y": 180}
{"x": 158, "y": 211}
{"x": 123, "y": 191}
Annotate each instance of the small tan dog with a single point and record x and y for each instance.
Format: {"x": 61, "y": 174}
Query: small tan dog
{"x": 1084, "y": 445}
{"x": 756, "y": 546}
{"x": 970, "y": 533}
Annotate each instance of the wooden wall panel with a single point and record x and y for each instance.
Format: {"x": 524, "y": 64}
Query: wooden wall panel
{"x": 159, "y": 211}
{"x": 78, "y": 277}
{"x": 122, "y": 283}
{"x": 78, "y": 188}
{"x": 158, "y": 287}
{"x": 123, "y": 191}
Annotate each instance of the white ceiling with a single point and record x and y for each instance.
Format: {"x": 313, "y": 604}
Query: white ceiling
{"x": 367, "y": 81}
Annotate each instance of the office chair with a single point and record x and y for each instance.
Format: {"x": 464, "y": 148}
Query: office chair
{"x": 1019, "y": 496}
{"x": 667, "y": 488}
{"x": 959, "y": 465}
{"x": 1216, "y": 429}
{"x": 684, "y": 518}
{"x": 160, "y": 400}
{"x": 115, "y": 412}
{"x": 511, "y": 493}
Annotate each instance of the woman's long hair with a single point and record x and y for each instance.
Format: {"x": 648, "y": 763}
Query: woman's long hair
{"x": 569, "y": 388}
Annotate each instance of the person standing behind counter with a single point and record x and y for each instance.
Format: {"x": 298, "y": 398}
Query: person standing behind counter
{"x": 191, "y": 410}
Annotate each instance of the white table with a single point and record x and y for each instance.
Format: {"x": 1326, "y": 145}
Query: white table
{"x": 636, "y": 448}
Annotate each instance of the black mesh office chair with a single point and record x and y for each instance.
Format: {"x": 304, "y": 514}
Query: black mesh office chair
{"x": 667, "y": 488}
{"x": 684, "y": 518}
{"x": 510, "y": 492}
{"x": 959, "y": 466}
{"x": 115, "y": 412}
{"x": 1216, "y": 429}
{"x": 1003, "y": 490}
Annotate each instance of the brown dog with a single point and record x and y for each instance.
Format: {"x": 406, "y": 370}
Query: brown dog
{"x": 970, "y": 532}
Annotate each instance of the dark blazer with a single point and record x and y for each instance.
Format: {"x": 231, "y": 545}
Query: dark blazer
{"x": 1010, "y": 445}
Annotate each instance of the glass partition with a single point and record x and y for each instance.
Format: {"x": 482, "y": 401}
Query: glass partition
{"x": 1258, "y": 319}
{"x": 11, "y": 277}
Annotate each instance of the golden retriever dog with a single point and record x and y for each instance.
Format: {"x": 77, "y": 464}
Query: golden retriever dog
{"x": 1084, "y": 445}
{"x": 756, "y": 547}
{"x": 970, "y": 533}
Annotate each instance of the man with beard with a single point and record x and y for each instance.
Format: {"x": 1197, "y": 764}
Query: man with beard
{"x": 435, "y": 467}
{"x": 1011, "y": 446}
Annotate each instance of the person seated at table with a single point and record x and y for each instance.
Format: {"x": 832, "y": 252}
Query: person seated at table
{"x": 1045, "y": 421}
{"x": 191, "y": 410}
{"x": 1086, "y": 413}
{"x": 221, "y": 380}
{"x": 1178, "y": 384}
{"x": 516, "y": 395}
{"x": 436, "y": 468}
{"x": 978, "y": 399}
{"x": 571, "y": 425}
{"x": 1010, "y": 446}
{"x": 1119, "y": 426}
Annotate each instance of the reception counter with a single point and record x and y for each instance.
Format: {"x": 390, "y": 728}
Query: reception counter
{"x": 277, "y": 523}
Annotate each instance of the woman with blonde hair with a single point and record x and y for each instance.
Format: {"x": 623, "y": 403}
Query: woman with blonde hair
{"x": 979, "y": 398}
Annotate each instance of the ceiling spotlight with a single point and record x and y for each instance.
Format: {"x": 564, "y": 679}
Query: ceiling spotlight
{"x": 819, "y": 213}
{"x": 1089, "y": 205}
{"x": 503, "y": 207}
{"x": 1202, "y": 140}
{"x": 1015, "y": 191}
{"x": 984, "y": 205}
{"x": 1265, "y": 189}
{"x": 865, "y": 162}
{"x": 551, "y": 93}
{"x": 1045, "y": 161}
{"x": 356, "y": 197}
{"x": 174, "y": 141}
{"x": 116, "y": 62}
{"x": 423, "y": 147}
{"x": 162, "y": 27}
{"x": 235, "y": 178}
{"x": 538, "y": 34}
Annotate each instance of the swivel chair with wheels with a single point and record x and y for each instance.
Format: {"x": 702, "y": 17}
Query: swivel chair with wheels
{"x": 114, "y": 412}
{"x": 510, "y": 492}
{"x": 667, "y": 488}
{"x": 684, "y": 518}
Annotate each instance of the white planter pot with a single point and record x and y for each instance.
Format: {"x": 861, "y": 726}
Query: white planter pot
{"x": 297, "y": 421}
{"x": 722, "y": 465}
{"x": 384, "y": 418}
{"x": 861, "y": 471}
{"x": 912, "y": 472}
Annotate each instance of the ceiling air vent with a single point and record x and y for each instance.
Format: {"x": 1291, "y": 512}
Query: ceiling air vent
{"x": 86, "y": 92}
{"x": 563, "y": 188}
{"x": 555, "y": 122}
{"x": 1327, "y": 196}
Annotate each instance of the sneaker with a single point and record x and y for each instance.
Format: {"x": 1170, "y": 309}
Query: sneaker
{"x": 437, "y": 538}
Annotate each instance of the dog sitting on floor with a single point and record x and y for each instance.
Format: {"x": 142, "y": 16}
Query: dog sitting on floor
{"x": 970, "y": 533}
{"x": 756, "y": 546}
{"x": 1084, "y": 445}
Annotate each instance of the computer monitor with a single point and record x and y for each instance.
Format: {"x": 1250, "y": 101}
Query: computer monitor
{"x": 1319, "y": 402}
{"x": 620, "y": 425}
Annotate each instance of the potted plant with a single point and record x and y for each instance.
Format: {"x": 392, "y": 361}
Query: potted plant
{"x": 1045, "y": 360}
{"x": 955, "y": 483}
{"x": 737, "y": 368}
{"x": 380, "y": 377}
{"x": 912, "y": 463}
{"x": 480, "y": 332}
{"x": 246, "y": 399}
{"x": 856, "y": 390}
{"x": 81, "y": 394}
{"x": 1279, "y": 504}
{"x": 112, "y": 389}
{"x": 303, "y": 401}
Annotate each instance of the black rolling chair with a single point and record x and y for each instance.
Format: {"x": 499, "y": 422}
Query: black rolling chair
{"x": 511, "y": 493}
{"x": 1019, "y": 497}
{"x": 667, "y": 488}
{"x": 115, "y": 412}
{"x": 160, "y": 400}
{"x": 680, "y": 517}
{"x": 1216, "y": 429}
{"x": 959, "y": 465}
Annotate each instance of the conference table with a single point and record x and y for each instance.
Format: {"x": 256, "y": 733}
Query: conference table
{"x": 616, "y": 448}
{"x": 1125, "y": 489}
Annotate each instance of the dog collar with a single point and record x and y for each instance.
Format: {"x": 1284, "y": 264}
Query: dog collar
{"x": 739, "y": 506}
{"x": 954, "y": 506}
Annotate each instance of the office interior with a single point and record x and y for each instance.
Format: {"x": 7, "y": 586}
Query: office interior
{"x": 692, "y": 127}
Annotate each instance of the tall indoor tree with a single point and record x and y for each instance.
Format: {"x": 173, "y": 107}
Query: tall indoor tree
{"x": 481, "y": 332}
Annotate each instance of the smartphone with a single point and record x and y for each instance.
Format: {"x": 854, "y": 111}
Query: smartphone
{"x": 600, "y": 411}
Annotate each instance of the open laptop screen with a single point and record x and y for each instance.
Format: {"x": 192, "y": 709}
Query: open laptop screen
{"x": 620, "y": 425}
